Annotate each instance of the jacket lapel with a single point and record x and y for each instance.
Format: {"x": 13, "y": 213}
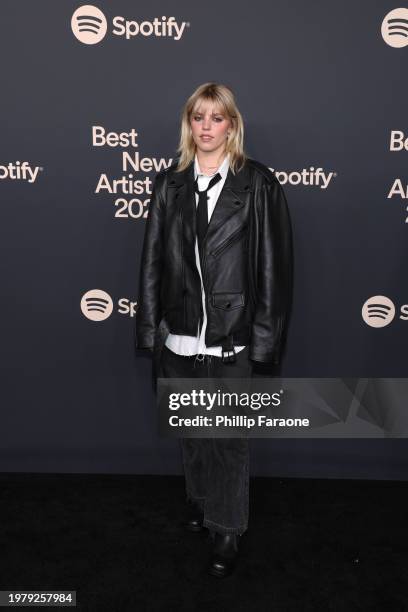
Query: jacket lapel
{"x": 234, "y": 195}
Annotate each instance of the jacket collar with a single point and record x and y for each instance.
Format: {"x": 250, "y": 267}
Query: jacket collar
{"x": 238, "y": 182}
{"x": 235, "y": 194}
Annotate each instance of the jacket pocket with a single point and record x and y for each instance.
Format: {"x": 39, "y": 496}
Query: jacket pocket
{"x": 228, "y": 300}
{"x": 228, "y": 241}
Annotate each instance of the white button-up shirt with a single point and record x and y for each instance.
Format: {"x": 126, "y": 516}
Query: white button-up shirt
{"x": 191, "y": 345}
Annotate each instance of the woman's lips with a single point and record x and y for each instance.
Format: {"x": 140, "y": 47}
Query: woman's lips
{"x": 206, "y": 137}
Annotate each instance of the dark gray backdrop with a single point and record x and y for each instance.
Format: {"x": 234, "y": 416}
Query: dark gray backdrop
{"x": 317, "y": 86}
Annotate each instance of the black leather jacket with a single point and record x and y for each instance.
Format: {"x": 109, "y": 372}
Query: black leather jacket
{"x": 247, "y": 263}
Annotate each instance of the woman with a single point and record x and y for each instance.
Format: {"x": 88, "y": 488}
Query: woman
{"x": 215, "y": 292}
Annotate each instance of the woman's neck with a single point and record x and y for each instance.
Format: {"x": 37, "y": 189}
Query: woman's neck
{"x": 209, "y": 162}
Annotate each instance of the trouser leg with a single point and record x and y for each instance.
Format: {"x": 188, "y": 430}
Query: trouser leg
{"x": 194, "y": 451}
{"x": 216, "y": 469}
{"x": 227, "y": 501}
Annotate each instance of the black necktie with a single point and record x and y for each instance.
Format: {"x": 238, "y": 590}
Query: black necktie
{"x": 202, "y": 208}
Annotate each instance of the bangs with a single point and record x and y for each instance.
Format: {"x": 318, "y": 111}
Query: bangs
{"x": 219, "y": 108}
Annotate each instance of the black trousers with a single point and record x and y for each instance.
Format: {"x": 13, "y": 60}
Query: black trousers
{"x": 216, "y": 469}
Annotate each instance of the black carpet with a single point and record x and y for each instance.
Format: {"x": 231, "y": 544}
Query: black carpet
{"x": 117, "y": 540}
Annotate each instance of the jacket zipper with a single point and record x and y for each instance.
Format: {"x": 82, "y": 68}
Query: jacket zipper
{"x": 228, "y": 241}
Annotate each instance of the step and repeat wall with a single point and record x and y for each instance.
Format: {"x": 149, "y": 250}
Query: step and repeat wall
{"x": 91, "y": 97}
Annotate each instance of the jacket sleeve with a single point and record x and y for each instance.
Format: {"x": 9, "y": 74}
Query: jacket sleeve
{"x": 274, "y": 270}
{"x": 148, "y": 312}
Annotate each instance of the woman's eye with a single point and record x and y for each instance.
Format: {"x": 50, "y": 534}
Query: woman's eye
{"x": 198, "y": 118}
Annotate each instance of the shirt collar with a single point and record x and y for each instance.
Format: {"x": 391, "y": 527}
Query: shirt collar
{"x": 222, "y": 169}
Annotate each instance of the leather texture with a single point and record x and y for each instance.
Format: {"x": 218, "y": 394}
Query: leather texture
{"x": 248, "y": 263}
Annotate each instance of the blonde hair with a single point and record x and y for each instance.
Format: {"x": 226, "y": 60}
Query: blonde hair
{"x": 223, "y": 97}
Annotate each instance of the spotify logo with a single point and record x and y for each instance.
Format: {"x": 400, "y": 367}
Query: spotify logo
{"x": 394, "y": 28}
{"x": 378, "y": 311}
{"x": 96, "y": 305}
{"x": 88, "y": 24}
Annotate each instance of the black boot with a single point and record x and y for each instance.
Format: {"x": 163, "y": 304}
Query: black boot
{"x": 195, "y": 518}
{"x": 224, "y": 554}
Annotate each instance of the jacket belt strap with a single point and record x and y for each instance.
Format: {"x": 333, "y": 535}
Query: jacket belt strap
{"x": 228, "y": 351}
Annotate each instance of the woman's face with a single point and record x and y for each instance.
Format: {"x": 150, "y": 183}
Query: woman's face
{"x": 209, "y": 126}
